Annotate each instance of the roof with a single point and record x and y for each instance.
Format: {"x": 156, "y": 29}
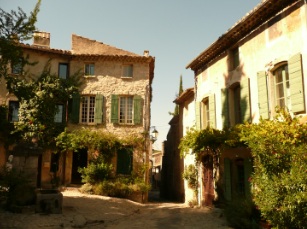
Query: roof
{"x": 252, "y": 20}
{"x": 187, "y": 94}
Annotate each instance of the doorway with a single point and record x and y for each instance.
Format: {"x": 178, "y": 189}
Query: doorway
{"x": 79, "y": 160}
{"x": 208, "y": 182}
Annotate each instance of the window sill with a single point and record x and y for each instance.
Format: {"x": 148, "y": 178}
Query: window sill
{"x": 89, "y": 76}
{"x": 126, "y": 77}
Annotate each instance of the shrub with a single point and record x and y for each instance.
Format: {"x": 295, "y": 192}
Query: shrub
{"x": 279, "y": 181}
{"x": 242, "y": 213}
{"x": 120, "y": 187}
{"x": 95, "y": 173}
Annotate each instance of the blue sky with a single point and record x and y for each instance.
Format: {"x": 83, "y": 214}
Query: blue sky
{"x": 174, "y": 32}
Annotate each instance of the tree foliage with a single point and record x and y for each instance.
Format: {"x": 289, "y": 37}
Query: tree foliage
{"x": 279, "y": 181}
{"x": 38, "y": 104}
{"x": 15, "y": 27}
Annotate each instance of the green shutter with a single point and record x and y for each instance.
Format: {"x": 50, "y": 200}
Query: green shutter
{"x": 227, "y": 178}
{"x": 114, "y": 109}
{"x": 64, "y": 114}
{"x": 225, "y": 110}
{"x": 75, "y": 108}
{"x": 137, "y": 109}
{"x": 245, "y": 101}
{"x": 263, "y": 102}
{"x": 248, "y": 168}
{"x": 98, "y": 109}
{"x": 212, "y": 114}
{"x": 296, "y": 83}
{"x": 197, "y": 115}
{"x": 124, "y": 161}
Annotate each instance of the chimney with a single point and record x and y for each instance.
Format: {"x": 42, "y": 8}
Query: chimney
{"x": 146, "y": 53}
{"x": 41, "y": 39}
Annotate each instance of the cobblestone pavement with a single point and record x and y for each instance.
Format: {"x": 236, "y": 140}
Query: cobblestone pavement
{"x": 91, "y": 211}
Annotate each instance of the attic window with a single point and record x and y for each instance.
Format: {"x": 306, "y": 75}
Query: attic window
{"x": 127, "y": 70}
{"x": 89, "y": 69}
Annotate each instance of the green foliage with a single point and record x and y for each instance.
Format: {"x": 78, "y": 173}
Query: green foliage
{"x": 191, "y": 174}
{"x": 95, "y": 172}
{"x": 106, "y": 144}
{"x": 38, "y": 104}
{"x": 242, "y": 213}
{"x": 279, "y": 181}
{"x": 208, "y": 140}
{"x": 15, "y": 27}
{"x": 122, "y": 187}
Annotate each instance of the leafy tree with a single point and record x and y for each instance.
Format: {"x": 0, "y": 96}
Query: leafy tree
{"x": 279, "y": 181}
{"x": 38, "y": 104}
{"x": 15, "y": 27}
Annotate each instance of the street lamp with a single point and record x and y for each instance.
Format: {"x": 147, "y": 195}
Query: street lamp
{"x": 154, "y": 135}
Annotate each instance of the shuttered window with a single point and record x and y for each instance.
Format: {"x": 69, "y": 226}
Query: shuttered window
{"x": 126, "y": 109}
{"x": 87, "y": 109}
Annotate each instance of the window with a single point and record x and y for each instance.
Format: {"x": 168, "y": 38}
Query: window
{"x": 13, "y": 111}
{"x": 17, "y": 67}
{"x": 205, "y": 113}
{"x": 88, "y": 109}
{"x": 282, "y": 87}
{"x": 63, "y": 70}
{"x": 89, "y": 69}
{"x": 234, "y": 61}
{"x": 124, "y": 161}
{"x": 58, "y": 118}
{"x": 128, "y": 70}
{"x": 126, "y": 109}
{"x": 236, "y": 103}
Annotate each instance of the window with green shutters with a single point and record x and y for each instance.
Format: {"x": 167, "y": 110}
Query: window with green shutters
{"x": 126, "y": 109}
{"x": 207, "y": 112}
{"x": 286, "y": 90}
{"x": 87, "y": 109}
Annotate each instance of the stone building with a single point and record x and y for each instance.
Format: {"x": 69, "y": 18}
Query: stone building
{"x": 115, "y": 97}
{"x": 256, "y": 65}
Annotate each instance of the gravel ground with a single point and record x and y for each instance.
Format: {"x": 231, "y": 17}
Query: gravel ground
{"x": 92, "y": 211}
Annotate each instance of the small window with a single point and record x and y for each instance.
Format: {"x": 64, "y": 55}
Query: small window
{"x": 13, "y": 111}
{"x": 128, "y": 70}
{"x": 88, "y": 109}
{"x": 89, "y": 69}
{"x": 58, "y": 118}
{"x": 63, "y": 70}
{"x": 234, "y": 61}
{"x": 205, "y": 113}
{"x": 17, "y": 67}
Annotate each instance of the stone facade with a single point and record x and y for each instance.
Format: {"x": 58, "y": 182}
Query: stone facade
{"x": 107, "y": 78}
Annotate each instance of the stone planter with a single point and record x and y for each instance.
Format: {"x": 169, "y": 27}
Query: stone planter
{"x": 49, "y": 201}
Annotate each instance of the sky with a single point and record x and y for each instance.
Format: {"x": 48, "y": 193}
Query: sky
{"x": 174, "y": 31}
